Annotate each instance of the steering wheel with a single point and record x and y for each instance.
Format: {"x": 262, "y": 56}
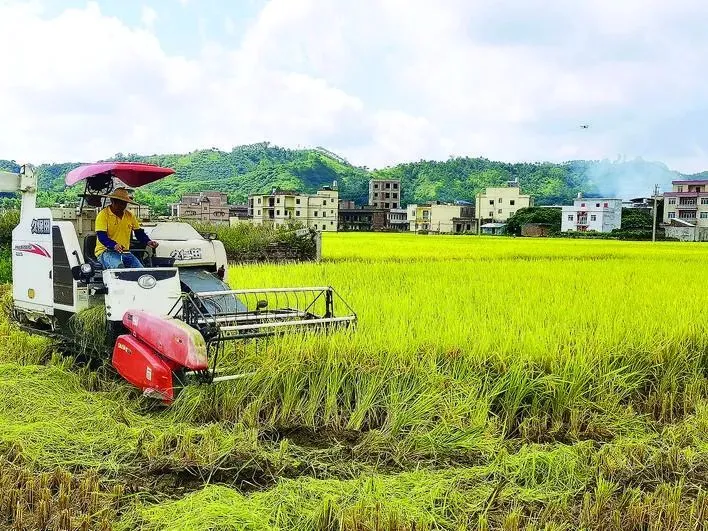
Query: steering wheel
{"x": 147, "y": 253}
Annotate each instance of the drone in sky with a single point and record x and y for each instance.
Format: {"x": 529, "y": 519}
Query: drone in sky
{"x": 584, "y": 126}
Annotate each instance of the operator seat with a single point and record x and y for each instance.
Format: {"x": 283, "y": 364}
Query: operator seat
{"x": 90, "y": 251}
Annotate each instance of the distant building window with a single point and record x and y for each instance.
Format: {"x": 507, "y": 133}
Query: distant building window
{"x": 297, "y": 213}
{"x": 395, "y": 195}
{"x": 597, "y": 205}
{"x": 582, "y": 205}
{"x": 593, "y": 217}
{"x": 388, "y": 195}
{"x": 259, "y": 212}
{"x": 512, "y": 202}
{"x": 500, "y": 200}
{"x": 491, "y": 201}
{"x": 606, "y": 205}
{"x": 315, "y": 213}
{"x": 672, "y": 215}
{"x": 376, "y": 186}
{"x": 395, "y": 205}
{"x": 491, "y": 214}
{"x": 511, "y": 213}
{"x": 388, "y": 185}
{"x": 679, "y": 188}
{"x": 704, "y": 200}
{"x": 315, "y": 226}
{"x": 277, "y": 200}
{"x": 331, "y": 222}
{"x": 297, "y": 201}
{"x": 324, "y": 227}
{"x": 395, "y": 186}
{"x": 499, "y": 211}
{"x": 704, "y": 215}
{"x": 277, "y": 212}
{"x": 386, "y": 205}
{"x": 331, "y": 212}
{"x": 324, "y": 203}
{"x": 259, "y": 200}
{"x": 570, "y": 217}
{"x": 376, "y": 194}
{"x": 376, "y": 205}
{"x": 672, "y": 201}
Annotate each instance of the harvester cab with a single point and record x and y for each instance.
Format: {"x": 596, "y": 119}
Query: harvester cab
{"x": 166, "y": 323}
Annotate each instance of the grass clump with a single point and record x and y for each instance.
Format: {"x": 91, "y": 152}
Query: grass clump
{"x": 88, "y": 330}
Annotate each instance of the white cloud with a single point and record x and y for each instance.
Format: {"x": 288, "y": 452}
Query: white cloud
{"x": 380, "y": 81}
{"x": 229, "y": 26}
{"x": 148, "y": 16}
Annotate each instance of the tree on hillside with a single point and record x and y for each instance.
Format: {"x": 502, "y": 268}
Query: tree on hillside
{"x": 260, "y": 167}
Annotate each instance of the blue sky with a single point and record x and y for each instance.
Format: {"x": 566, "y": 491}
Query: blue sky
{"x": 378, "y": 81}
{"x": 182, "y": 27}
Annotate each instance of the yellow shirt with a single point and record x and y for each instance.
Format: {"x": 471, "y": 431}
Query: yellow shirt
{"x": 119, "y": 229}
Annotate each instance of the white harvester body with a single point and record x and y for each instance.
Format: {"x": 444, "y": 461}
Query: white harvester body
{"x": 165, "y": 321}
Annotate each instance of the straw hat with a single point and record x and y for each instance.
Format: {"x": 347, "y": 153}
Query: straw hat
{"x": 120, "y": 194}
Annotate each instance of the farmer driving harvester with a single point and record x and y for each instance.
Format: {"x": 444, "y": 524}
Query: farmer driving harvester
{"x": 114, "y": 227}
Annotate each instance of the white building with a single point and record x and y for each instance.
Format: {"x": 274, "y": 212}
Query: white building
{"x": 319, "y": 211}
{"x": 397, "y": 219}
{"x": 600, "y": 215}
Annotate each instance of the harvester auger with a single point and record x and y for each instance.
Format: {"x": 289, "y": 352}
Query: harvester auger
{"x": 167, "y": 323}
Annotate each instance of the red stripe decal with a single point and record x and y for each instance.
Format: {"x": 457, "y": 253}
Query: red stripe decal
{"x": 33, "y": 248}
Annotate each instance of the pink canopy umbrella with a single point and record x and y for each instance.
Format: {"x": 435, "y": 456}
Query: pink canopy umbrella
{"x": 134, "y": 174}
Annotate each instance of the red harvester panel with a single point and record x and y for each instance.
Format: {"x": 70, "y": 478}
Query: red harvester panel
{"x": 142, "y": 366}
{"x": 171, "y": 338}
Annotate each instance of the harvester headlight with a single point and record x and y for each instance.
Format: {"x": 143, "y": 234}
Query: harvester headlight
{"x": 86, "y": 270}
{"x": 147, "y": 282}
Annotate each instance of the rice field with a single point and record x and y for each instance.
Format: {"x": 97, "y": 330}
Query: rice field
{"x": 491, "y": 383}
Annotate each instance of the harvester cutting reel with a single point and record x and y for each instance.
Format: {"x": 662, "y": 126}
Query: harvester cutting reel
{"x": 160, "y": 355}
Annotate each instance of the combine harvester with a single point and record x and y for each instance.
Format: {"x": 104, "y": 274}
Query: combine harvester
{"x": 166, "y": 324}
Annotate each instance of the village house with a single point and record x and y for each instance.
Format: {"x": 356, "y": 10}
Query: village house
{"x": 397, "y": 219}
{"x": 440, "y": 217}
{"x": 370, "y": 218}
{"x": 385, "y": 193}
{"x": 209, "y": 207}
{"x": 596, "y": 214}
{"x": 498, "y": 204}
{"x": 361, "y": 218}
{"x": 318, "y": 211}
{"x": 686, "y": 210}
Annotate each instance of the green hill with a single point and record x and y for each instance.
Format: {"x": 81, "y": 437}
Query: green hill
{"x": 258, "y": 168}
